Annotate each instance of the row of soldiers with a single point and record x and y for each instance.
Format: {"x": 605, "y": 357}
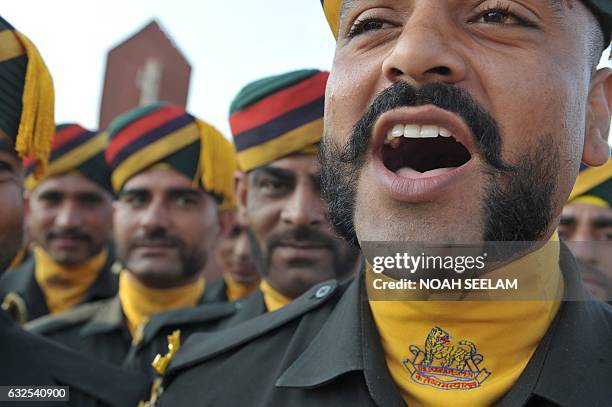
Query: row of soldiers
{"x": 122, "y": 224}
{"x": 124, "y": 221}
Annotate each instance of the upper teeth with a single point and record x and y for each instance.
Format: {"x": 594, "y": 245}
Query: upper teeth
{"x": 417, "y": 131}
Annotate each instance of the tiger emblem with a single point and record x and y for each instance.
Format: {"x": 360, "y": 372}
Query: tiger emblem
{"x": 446, "y": 363}
{"x": 439, "y": 346}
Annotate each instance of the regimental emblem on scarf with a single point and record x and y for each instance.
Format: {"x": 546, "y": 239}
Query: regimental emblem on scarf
{"x": 446, "y": 363}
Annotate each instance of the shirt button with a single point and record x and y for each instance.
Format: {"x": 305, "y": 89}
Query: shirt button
{"x": 322, "y": 291}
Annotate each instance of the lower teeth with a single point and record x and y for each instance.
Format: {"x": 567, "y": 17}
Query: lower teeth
{"x": 408, "y": 172}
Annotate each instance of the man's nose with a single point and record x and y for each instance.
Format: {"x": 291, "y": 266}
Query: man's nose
{"x": 423, "y": 52}
{"x": 584, "y": 243}
{"x": 156, "y": 216}
{"x": 68, "y": 216}
{"x": 242, "y": 248}
{"x": 304, "y": 207}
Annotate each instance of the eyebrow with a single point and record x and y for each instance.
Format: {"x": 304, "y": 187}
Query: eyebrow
{"x": 556, "y": 5}
{"x": 347, "y": 5}
{"x": 133, "y": 191}
{"x": 169, "y": 191}
{"x": 49, "y": 193}
{"x": 281, "y": 173}
{"x": 6, "y": 145}
{"x": 567, "y": 220}
{"x": 183, "y": 191}
{"x": 602, "y": 221}
{"x": 83, "y": 195}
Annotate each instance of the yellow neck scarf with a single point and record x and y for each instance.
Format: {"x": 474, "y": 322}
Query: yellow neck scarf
{"x": 273, "y": 299}
{"x": 466, "y": 353}
{"x": 140, "y": 302}
{"x": 64, "y": 287}
{"x": 236, "y": 290}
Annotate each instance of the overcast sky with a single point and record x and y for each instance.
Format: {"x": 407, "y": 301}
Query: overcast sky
{"x": 228, "y": 43}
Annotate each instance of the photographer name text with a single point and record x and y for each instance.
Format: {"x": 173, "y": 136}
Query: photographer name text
{"x": 447, "y": 284}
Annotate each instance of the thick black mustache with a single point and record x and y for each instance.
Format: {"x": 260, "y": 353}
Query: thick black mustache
{"x": 156, "y": 236}
{"x": 68, "y": 234}
{"x": 483, "y": 127}
{"x": 303, "y": 234}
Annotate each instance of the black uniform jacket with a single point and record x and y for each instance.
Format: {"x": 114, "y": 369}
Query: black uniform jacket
{"x": 21, "y": 281}
{"x": 99, "y": 329}
{"x": 247, "y": 308}
{"x": 216, "y": 291}
{"x": 28, "y": 360}
{"x": 324, "y": 350}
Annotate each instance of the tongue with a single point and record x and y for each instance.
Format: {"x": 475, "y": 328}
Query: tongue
{"x": 407, "y": 172}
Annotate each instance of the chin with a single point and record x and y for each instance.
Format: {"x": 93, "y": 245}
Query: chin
{"x": 67, "y": 259}
{"x": 308, "y": 277}
{"x": 148, "y": 268}
{"x": 424, "y": 224}
{"x": 245, "y": 281}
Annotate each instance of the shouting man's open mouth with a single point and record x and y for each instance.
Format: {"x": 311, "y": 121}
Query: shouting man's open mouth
{"x": 419, "y": 150}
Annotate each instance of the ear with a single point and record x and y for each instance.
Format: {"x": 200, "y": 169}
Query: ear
{"x": 226, "y": 220}
{"x": 596, "y": 148}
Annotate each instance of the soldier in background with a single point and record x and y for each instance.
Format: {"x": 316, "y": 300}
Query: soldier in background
{"x": 277, "y": 123}
{"x": 26, "y": 129}
{"x": 173, "y": 176}
{"x": 233, "y": 257}
{"x": 69, "y": 221}
{"x": 586, "y": 227}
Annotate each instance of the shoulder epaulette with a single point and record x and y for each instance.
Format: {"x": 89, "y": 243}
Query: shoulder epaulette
{"x": 78, "y": 315}
{"x": 185, "y": 317}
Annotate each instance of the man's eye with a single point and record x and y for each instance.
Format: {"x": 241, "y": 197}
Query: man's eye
{"x": 270, "y": 184}
{"x": 365, "y": 25}
{"x": 235, "y": 232}
{"x": 6, "y": 167}
{"x": 51, "y": 200}
{"x": 186, "y": 201}
{"x": 500, "y": 16}
{"x": 134, "y": 200}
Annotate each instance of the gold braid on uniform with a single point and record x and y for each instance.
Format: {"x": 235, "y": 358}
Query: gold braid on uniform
{"x": 16, "y": 307}
{"x": 160, "y": 365}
